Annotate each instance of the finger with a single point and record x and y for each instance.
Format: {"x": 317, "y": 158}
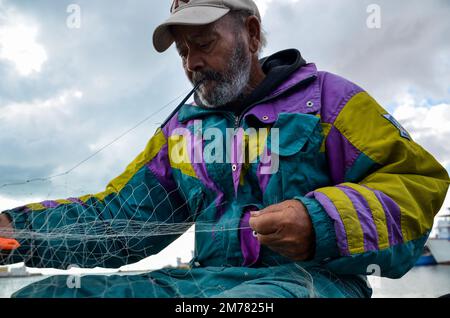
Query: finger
{"x": 265, "y": 224}
{"x": 261, "y": 221}
{"x": 272, "y": 239}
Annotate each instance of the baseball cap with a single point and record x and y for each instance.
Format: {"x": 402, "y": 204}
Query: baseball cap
{"x": 197, "y": 12}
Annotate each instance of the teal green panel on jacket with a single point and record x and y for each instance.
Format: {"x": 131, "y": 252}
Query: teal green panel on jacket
{"x": 286, "y": 281}
{"x": 362, "y": 167}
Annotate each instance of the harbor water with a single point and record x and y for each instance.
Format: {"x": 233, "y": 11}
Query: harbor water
{"x": 419, "y": 282}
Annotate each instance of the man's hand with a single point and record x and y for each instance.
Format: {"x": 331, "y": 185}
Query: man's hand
{"x": 6, "y": 230}
{"x": 5, "y": 224}
{"x": 286, "y": 228}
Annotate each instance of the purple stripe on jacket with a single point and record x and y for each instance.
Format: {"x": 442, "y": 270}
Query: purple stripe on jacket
{"x": 365, "y": 217}
{"x": 393, "y": 217}
{"x": 341, "y": 235}
{"x": 250, "y": 245}
{"x": 50, "y": 204}
{"x": 264, "y": 178}
{"x": 76, "y": 200}
{"x": 160, "y": 167}
{"x": 339, "y": 91}
{"x": 341, "y": 155}
{"x": 237, "y": 155}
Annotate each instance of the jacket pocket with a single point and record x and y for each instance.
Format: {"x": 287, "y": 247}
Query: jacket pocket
{"x": 298, "y": 133}
{"x": 301, "y": 164}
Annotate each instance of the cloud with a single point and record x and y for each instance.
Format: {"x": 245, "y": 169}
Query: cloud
{"x": 9, "y": 203}
{"x": 98, "y": 81}
{"x": 18, "y": 42}
{"x": 409, "y": 51}
{"x": 28, "y": 130}
{"x": 24, "y": 111}
{"x": 265, "y": 5}
{"x": 427, "y": 123}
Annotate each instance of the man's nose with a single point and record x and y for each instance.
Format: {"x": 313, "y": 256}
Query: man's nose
{"x": 194, "y": 62}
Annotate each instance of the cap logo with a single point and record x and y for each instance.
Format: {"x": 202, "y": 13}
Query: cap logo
{"x": 176, "y": 4}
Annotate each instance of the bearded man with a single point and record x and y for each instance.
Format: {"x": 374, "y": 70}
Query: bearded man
{"x": 351, "y": 192}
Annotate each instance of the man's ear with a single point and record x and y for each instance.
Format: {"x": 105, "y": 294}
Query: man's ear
{"x": 254, "y": 33}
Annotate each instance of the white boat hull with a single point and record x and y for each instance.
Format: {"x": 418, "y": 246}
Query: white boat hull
{"x": 440, "y": 248}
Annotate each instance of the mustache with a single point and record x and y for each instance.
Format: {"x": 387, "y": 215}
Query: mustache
{"x": 199, "y": 77}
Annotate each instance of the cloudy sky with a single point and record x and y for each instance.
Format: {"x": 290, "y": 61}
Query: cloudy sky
{"x": 67, "y": 92}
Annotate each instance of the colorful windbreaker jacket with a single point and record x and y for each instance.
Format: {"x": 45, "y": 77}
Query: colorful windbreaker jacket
{"x": 371, "y": 191}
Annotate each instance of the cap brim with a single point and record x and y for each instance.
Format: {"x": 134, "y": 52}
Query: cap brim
{"x": 199, "y": 15}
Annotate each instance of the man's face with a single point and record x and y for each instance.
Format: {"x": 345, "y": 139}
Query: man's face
{"x": 217, "y": 56}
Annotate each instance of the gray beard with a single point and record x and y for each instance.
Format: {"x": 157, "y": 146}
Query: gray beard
{"x": 230, "y": 86}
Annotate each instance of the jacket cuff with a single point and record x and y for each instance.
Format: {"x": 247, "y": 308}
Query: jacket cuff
{"x": 326, "y": 247}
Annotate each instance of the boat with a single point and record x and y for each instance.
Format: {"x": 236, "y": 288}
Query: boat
{"x": 439, "y": 245}
{"x": 8, "y": 272}
{"x": 426, "y": 258}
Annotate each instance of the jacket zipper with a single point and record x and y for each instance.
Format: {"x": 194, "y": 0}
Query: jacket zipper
{"x": 236, "y": 121}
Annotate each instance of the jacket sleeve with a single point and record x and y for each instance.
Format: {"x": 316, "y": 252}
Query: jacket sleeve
{"x": 386, "y": 191}
{"x": 108, "y": 229}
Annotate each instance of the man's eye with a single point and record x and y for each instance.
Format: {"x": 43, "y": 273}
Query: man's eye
{"x": 205, "y": 45}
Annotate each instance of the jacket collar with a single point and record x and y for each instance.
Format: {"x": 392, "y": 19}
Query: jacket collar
{"x": 268, "y": 109}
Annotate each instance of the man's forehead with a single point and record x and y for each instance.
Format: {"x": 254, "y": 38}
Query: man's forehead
{"x": 190, "y": 33}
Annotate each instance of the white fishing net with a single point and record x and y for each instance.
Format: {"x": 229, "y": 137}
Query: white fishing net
{"x": 73, "y": 242}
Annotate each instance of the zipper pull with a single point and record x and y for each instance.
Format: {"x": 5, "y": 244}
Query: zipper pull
{"x": 236, "y": 122}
